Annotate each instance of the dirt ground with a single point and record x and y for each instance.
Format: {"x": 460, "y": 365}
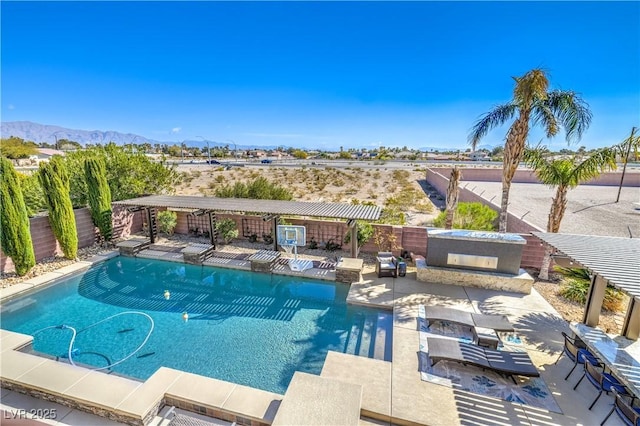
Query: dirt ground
{"x": 403, "y": 189}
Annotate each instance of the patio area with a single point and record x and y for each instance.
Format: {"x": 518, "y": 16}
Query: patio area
{"x": 394, "y": 392}
{"x": 405, "y": 398}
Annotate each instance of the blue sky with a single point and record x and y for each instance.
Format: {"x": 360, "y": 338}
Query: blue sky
{"x": 316, "y": 75}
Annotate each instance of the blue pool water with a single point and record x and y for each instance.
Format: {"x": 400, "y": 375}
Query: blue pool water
{"x": 248, "y": 328}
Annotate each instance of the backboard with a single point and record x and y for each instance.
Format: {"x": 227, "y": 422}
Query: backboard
{"x": 292, "y": 235}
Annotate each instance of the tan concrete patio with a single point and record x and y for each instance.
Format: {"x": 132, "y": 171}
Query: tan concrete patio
{"x": 413, "y": 401}
{"x": 391, "y": 391}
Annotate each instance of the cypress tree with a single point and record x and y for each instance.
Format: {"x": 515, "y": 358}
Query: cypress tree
{"x": 99, "y": 196}
{"x": 54, "y": 180}
{"x": 15, "y": 235}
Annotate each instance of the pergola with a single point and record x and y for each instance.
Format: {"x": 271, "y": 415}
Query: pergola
{"x": 269, "y": 209}
{"x": 611, "y": 260}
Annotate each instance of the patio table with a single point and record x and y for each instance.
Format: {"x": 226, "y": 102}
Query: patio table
{"x": 619, "y": 354}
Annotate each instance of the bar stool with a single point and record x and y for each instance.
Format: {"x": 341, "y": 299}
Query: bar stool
{"x": 602, "y": 381}
{"x": 629, "y": 414}
{"x": 576, "y": 352}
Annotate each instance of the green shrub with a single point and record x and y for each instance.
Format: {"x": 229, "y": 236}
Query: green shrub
{"x": 227, "y": 229}
{"x": 259, "y": 189}
{"x": 32, "y": 193}
{"x": 313, "y": 244}
{"x": 167, "y": 221}
{"x": 575, "y": 287}
{"x": 54, "y": 179}
{"x": 331, "y": 245}
{"x": 130, "y": 173}
{"x": 392, "y": 216}
{"x": 474, "y": 216}
{"x": 365, "y": 232}
{"x": 99, "y": 196}
{"x": 15, "y": 237}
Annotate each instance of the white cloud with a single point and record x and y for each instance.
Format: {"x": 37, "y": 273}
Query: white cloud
{"x": 176, "y": 130}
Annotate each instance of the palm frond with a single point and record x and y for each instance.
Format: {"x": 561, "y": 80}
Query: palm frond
{"x": 531, "y": 88}
{"x": 550, "y": 172}
{"x": 598, "y": 161}
{"x": 542, "y": 114}
{"x": 572, "y": 112}
{"x": 494, "y": 118}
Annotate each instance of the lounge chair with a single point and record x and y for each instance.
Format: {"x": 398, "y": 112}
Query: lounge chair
{"x": 508, "y": 363}
{"x": 386, "y": 264}
{"x": 494, "y": 322}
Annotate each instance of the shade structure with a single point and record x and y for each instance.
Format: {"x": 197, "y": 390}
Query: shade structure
{"x": 268, "y": 208}
{"x": 244, "y": 205}
{"x": 615, "y": 259}
{"x": 611, "y": 260}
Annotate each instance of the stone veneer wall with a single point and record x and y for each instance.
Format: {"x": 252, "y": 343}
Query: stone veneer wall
{"x": 515, "y": 283}
{"x": 45, "y": 244}
{"x": 74, "y": 404}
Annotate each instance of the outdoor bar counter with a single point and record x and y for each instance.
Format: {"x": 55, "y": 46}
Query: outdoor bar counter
{"x": 619, "y": 354}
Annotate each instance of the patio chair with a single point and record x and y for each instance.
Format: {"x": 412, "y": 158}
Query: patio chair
{"x": 386, "y": 264}
{"x": 629, "y": 414}
{"x": 576, "y": 351}
{"x": 602, "y": 381}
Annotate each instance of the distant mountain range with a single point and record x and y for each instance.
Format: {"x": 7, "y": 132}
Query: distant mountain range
{"x": 47, "y": 133}
{"x": 38, "y": 133}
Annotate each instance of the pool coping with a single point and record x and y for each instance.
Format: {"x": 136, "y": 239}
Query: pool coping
{"x": 120, "y": 398}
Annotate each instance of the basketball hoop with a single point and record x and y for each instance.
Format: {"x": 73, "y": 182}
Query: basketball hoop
{"x": 290, "y": 237}
{"x": 288, "y": 248}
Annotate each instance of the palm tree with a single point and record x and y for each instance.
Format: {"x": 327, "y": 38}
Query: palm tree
{"x": 624, "y": 148}
{"x": 533, "y": 104}
{"x": 452, "y": 196}
{"x": 565, "y": 174}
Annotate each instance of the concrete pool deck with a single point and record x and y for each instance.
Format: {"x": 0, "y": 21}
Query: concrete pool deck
{"x": 390, "y": 391}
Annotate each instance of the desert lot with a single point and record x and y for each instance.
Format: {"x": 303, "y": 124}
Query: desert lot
{"x": 385, "y": 187}
{"x": 590, "y": 209}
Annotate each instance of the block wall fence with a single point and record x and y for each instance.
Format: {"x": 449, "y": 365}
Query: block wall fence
{"x": 486, "y": 174}
{"x": 410, "y": 238}
{"x": 45, "y": 244}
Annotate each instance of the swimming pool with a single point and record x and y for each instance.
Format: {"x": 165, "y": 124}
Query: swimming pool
{"x": 243, "y": 327}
